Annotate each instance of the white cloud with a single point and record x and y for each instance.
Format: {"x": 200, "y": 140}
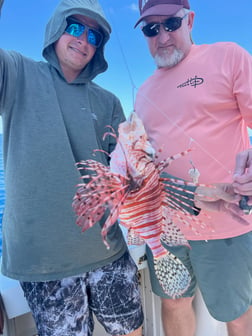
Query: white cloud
{"x": 134, "y": 7}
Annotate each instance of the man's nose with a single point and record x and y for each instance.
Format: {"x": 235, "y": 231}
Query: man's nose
{"x": 83, "y": 36}
{"x": 163, "y": 35}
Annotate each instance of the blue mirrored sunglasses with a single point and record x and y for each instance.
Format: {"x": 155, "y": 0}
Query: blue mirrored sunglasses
{"x": 76, "y": 29}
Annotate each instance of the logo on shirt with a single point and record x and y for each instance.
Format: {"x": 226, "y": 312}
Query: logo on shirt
{"x": 193, "y": 81}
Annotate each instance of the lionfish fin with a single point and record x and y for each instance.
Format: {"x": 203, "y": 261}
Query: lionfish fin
{"x": 166, "y": 162}
{"x": 103, "y": 191}
{"x": 113, "y": 216}
{"x": 171, "y": 234}
{"x": 173, "y": 276}
{"x": 179, "y": 200}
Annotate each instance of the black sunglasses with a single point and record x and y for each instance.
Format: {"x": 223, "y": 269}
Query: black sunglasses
{"x": 76, "y": 29}
{"x": 153, "y": 28}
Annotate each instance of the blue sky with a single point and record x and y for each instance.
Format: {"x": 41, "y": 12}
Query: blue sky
{"x": 22, "y": 26}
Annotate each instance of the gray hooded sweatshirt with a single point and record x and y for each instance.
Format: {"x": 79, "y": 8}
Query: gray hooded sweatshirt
{"x": 49, "y": 125}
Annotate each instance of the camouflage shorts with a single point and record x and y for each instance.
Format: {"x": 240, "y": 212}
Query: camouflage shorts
{"x": 66, "y": 307}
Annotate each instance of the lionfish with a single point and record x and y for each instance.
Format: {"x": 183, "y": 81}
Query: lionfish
{"x": 144, "y": 202}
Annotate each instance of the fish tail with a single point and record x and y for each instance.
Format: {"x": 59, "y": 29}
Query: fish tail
{"x": 173, "y": 276}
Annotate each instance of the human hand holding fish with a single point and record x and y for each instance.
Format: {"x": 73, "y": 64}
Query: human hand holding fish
{"x": 220, "y": 197}
{"x": 148, "y": 204}
{"x": 242, "y": 177}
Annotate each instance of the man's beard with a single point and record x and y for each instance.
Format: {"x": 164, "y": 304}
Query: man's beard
{"x": 167, "y": 60}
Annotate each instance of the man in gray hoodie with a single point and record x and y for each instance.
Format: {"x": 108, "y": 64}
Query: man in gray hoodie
{"x": 54, "y": 115}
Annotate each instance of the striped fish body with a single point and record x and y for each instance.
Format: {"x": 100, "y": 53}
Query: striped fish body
{"x": 142, "y": 212}
{"x": 134, "y": 192}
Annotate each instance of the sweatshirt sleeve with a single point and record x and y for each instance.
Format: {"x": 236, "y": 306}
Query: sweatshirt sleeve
{"x": 8, "y": 78}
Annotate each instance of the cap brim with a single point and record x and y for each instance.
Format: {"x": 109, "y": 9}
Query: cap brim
{"x": 159, "y": 10}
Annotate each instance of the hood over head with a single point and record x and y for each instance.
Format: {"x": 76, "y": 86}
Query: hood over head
{"x": 57, "y": 25}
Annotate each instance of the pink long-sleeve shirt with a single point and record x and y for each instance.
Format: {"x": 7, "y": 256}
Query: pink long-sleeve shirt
{"x": 204, "y": 102}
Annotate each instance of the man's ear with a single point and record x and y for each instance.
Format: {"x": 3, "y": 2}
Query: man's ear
{"x": 190, "y": 20}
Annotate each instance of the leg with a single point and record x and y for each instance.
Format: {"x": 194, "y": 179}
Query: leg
{"x": 138, "y": 332}
{"x": 178, "y": 317}
{"x": 242, "y": 325}
{"x": 60, "y": 307}
{"x": 115, "y": 297}
{"x": 223, "y": 268}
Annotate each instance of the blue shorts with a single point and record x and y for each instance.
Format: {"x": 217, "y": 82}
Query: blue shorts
{"x": 222, "y": 269}
{"x": 66, "y": 307}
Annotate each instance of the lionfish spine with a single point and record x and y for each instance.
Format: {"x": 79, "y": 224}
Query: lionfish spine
{"x": 165, "y": 163}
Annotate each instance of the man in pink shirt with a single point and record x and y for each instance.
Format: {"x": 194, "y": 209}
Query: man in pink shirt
{"x": 200, "y": 96}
